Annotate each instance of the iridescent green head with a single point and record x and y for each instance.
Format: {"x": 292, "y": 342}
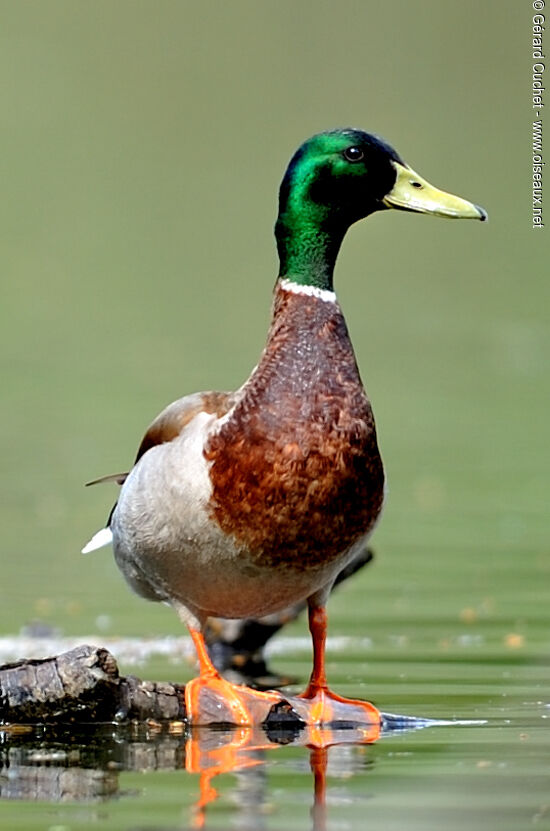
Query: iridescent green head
{"x": 336, "y": 178}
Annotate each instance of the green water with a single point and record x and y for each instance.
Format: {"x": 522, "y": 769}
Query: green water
{"x": 490, "y": 775}
{"x": 142, "y": 147}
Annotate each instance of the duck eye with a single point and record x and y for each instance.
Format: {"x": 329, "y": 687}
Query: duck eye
{"x": 354, "y": 154}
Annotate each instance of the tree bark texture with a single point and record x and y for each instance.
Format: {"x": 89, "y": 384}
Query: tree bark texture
{"x": 83, "y": 685}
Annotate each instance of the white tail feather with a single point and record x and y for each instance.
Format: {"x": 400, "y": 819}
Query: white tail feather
{"x": 99, "y": 540}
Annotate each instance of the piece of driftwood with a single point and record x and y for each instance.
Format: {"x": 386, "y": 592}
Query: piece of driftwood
{"x": 82, "y": 685}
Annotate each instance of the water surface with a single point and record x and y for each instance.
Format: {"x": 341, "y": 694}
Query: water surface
{"x": 490, "y": 769}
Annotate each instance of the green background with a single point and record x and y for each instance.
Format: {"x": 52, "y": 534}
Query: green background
{"x": 142, "y": 148}
{"x": 142, "y": 145}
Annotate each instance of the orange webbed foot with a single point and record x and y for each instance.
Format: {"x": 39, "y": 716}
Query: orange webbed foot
{"x": 318, "y": 706}
{"x": 210, "y": 699}
{"x": 213, "y": 700}
{"x": 322, "y": 706}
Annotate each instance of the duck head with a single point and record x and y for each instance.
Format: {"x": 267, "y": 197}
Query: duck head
{"x": 336, "y": 178}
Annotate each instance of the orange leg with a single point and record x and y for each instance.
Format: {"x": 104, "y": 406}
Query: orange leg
{"x": 210, "y": 699}
{"x": 326, "y": 706}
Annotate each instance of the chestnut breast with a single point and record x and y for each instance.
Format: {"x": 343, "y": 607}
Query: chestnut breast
{"x": 295, "y": 468}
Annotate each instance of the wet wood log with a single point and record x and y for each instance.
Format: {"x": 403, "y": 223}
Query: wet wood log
{"x": 82, "y": 685}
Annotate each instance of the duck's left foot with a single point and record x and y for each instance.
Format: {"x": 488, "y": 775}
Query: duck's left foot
{"x": 319, "y": 706}
{"x": 210, "y": 699}
{"x": 213, "y": 700}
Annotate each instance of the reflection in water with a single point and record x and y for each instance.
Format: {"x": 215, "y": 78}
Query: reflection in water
{"x": 210, "y": 753}
{"x": 56, "y": 764}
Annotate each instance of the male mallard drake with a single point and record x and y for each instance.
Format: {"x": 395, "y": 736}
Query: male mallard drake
{"x": 240, "y": 504}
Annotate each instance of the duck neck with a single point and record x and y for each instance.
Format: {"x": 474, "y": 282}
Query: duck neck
{"x": 308, "y": 241}
{"x": 307, "y": 254}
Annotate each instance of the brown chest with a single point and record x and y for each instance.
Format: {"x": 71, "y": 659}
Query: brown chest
{"x": 296, "y": 473}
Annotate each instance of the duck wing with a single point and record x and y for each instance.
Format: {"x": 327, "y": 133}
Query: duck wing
{"x": 170, "y": 423}
{"x": 166, "y": 427}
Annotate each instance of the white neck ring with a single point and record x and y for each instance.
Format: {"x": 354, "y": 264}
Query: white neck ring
{"x": 309, "y": 291}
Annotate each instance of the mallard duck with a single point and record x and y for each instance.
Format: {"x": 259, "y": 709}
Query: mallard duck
{"x": 242, "y": 503}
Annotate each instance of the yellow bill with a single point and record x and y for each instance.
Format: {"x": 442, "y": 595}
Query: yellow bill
{"x": 413, "y": 193}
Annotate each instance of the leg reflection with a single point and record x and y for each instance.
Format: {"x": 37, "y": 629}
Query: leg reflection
{"x": 210, "y": 752}
{"x": 318, "y": 761}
